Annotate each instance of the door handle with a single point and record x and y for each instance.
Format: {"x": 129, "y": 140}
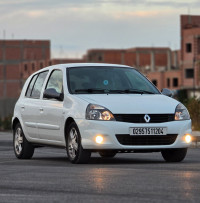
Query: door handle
{"x": 22, "y": 107}
{"x": 41, "y": 110}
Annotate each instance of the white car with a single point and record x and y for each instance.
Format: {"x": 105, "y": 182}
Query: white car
{"x": 102, "y": 108}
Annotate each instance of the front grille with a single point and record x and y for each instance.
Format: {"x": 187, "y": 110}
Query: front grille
{"x": 139, "y": 118}
{"x": 126, "y": 139}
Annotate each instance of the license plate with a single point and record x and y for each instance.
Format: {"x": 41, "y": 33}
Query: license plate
{"x": 148, "y": 131}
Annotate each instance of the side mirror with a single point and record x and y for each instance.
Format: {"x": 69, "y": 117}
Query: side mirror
{"x": 51, "y": 93}
{"x": 167, "y": 92}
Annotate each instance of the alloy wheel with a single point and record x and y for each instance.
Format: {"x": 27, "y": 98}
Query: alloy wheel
{"x": 18, "y": 141}
{"x": 73, "y": 143}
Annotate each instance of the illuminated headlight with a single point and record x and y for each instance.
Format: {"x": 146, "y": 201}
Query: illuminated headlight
{"x": 188, "y": 138}
{"x": 99, "y": 139}
{"x": 181, "y": 113}
{"x": 97, "y": 112}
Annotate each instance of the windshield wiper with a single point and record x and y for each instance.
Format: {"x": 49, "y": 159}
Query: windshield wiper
{"x": 133, "y": 91}
{"x": 91, "y": 90}
{"x": 138, "y": 91}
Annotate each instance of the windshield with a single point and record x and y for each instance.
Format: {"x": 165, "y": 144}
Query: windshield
{"x": 104, "y": 80}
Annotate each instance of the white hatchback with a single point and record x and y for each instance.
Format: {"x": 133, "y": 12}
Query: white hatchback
{"x": 102, "y": 108}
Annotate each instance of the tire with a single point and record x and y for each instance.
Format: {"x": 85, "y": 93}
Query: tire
{"x": 107, "y": 154}
{"x": 22, "y": 148}
{"x": 174, "y": 155}
{"x": 75, "y": 151}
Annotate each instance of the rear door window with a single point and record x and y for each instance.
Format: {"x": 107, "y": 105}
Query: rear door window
{"x": 38, "y": 85}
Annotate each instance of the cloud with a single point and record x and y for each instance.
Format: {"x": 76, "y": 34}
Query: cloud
{"x": 94, "y": 3}
{"x": 136, "y": 14}
{"x": 172, "y": 4}
{"x": 78, "y": 25}
{"x": 36, "y": 13}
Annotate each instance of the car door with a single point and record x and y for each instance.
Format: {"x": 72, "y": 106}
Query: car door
{"x": 51, "y": 114}
{"x": 30, "y": 108}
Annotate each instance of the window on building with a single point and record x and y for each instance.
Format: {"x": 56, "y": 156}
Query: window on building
{"x": 41, "y": 65}
{"x": 188, "y": 47}
{"x": 25, "y": 67}
{"x": 198, "y": 45}
{"x": 175, "y": 82}
{"x": 100, "y": 58}
{"x": 189, "y": 73}
{"x": 33, "y": 66}
{"x": 90, "y": 58}
{"x": 50, "y": 63}
{"x": 154, "y": 82}
{"x": 168, "y": 82}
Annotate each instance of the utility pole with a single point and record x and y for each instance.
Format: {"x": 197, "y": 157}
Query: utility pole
{"x": 194, "y": 60}
{"x": 3, "y": 47}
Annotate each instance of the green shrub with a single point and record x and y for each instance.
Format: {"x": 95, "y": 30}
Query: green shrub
{"x": 182, "y": 96}
{"x": 193, "y": 106}
{"x": 6, "y": 123}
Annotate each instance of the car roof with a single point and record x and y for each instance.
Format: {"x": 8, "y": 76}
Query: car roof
{"x": 70, "y": 65}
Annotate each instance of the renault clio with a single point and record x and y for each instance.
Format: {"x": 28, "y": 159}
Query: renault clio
{"x": 102, "y": 108}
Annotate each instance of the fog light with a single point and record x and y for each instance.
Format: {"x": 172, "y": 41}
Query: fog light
{"x": 99, "y": 139}
{"x": 188, "y": 138}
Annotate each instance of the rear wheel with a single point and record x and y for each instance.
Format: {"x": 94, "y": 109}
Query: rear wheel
{"x": 22, "y": 148}
{"x": 75, "y": 151}
{"x": 107, "y": 154}
{"x": 174, "y": 155}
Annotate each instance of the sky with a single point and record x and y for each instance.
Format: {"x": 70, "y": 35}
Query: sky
{"x": 74, "y": 26}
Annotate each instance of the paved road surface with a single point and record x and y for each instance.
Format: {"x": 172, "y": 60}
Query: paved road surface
{"x": 50, "y": 177}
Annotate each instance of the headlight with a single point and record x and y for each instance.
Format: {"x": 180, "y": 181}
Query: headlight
{"x": 181, "y": 113}
{"x": 97, "y": 112}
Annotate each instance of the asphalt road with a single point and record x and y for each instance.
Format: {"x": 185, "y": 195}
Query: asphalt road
{"x": 50, "y": 177}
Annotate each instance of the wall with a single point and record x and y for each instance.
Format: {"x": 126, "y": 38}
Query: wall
{"x": 16, "y": 59}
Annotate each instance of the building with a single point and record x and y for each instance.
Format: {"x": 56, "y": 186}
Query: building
{"x": 190, "y": 54}
{"x": 18, "y": 59}
{"x": 161, "y": 65}
{"x": 175, "y": 70}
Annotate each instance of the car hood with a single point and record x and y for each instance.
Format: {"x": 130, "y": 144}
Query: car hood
{"x": 133, "y": 103}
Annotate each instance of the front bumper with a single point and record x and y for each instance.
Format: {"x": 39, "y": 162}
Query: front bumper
{"x": 89, "y": 129}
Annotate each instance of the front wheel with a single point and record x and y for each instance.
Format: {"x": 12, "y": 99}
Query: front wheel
{"x": 22, "y": 148}
{"x": 75, "y": 151}
{"x": 174, "y": 155}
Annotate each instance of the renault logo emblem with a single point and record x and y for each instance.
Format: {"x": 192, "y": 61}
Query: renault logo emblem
{"x": 147, "y": 118}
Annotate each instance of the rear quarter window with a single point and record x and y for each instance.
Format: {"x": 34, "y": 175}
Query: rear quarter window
{"x": 30, "y": 86}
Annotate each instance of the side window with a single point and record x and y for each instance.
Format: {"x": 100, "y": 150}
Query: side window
{"x": 30, "y": 87}
{"x": 38, "y": 85}
{"x": 56, "y": 81}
